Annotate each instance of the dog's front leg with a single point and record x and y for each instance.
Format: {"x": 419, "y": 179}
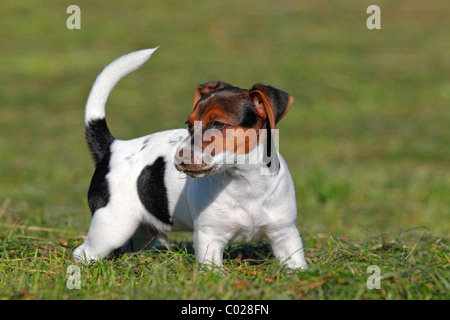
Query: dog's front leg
{"x": 287, "y": 247}
{"x": 209, "y": 247}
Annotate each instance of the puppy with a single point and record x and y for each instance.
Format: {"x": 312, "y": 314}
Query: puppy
{"x": 221, "y": 178}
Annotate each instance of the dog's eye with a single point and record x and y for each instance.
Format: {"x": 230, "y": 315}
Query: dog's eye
{"x": 217, "y": 125}
{"x": 188, "y": 124}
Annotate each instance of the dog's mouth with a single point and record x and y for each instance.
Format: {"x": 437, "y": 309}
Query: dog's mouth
{"x": 196, "y": 173}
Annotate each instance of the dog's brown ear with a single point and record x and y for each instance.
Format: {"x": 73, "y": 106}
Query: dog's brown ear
{"x": 206, "y": 88}
{"x": 270, "y": 102}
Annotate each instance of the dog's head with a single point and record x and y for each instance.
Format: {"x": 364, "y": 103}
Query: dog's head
{"x": 227, "y": 123}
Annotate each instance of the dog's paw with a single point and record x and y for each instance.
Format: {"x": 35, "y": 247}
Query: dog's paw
{"x": 296, "y": 266}
{"x": 82, "y": 255}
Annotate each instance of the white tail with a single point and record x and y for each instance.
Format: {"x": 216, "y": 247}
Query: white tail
{"x": 108, "y": 78}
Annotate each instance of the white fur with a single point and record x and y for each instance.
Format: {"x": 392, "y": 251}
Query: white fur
{"x": 235, "y": 204}
{"x": 109, "y": 77}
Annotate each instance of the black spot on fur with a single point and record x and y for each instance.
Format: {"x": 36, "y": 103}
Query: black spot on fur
{"x": 152, "y": 190}
{"x": 99, "y": 140}
{"x": 98, "y": 194}
{"x": 144, "y": 145}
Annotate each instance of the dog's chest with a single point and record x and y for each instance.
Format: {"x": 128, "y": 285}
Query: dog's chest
{"x": 247, "y": 225}
{"x": 243, "y": 217}
{"x": 230, "y": 207}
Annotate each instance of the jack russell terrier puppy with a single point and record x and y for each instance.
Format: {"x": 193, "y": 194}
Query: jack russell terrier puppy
{"x": 221, "y": 178}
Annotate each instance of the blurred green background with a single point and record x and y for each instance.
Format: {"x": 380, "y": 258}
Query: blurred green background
{"x": 366, "y": 140}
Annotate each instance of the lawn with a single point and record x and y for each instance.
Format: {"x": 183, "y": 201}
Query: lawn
{"x": 366, "y": 140}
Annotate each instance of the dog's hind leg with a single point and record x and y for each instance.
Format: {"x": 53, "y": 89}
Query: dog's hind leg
{"x": 109, "y": 230}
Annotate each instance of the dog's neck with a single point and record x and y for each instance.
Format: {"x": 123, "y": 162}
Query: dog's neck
{"x": 246, "y": 180}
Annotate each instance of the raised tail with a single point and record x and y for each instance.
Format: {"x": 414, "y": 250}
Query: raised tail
{"x": 98, "y": 136}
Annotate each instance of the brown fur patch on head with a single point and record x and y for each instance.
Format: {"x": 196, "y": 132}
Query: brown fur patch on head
{"x": 232, "y": 117}
{"x": 228, "y": 118}
{"x": 207, "y": 87}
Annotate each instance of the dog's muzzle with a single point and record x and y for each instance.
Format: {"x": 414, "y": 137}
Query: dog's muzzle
{"x": 195, "y": 170}
{"x": 192, "y": 161}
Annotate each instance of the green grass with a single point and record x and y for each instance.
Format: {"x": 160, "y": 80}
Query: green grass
{"x": 366, "y": 141}
{"x": 412, "y": 264}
